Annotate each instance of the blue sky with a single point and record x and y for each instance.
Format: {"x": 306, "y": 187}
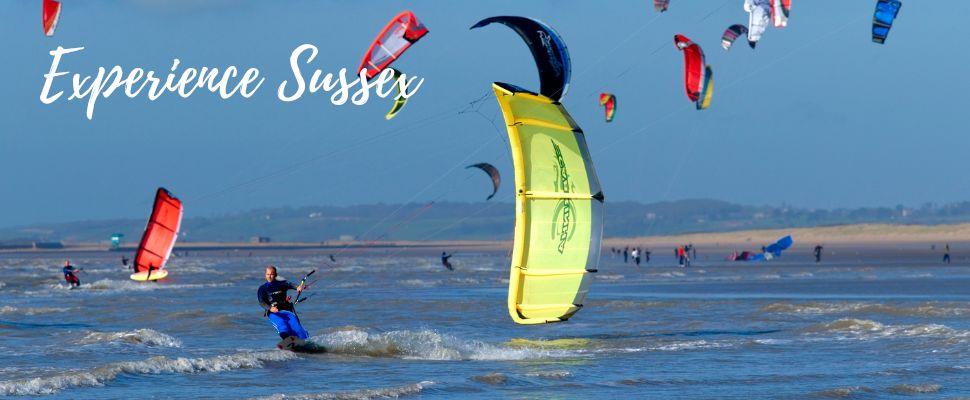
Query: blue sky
{"x": 817, "y": 116}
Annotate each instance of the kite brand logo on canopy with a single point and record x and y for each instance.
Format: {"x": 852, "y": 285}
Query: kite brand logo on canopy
{"x": 550, "y": 51}
{"x": 563, "y": 221}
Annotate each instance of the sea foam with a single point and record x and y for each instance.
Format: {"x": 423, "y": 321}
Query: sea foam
{"x": 424, "y": 345}
{"x": 99, "y": 376}
{"x": 147, "y": 337}
{"x": 361, "y": 394}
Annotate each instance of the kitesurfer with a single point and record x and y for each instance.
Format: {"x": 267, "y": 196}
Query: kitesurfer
{"x": 444, "y": 261}
{"x": 272, "y": 297}
{"x": 946, "y": 254}
{"x": 818, "y": 253}
{"x": 70, "y": 274}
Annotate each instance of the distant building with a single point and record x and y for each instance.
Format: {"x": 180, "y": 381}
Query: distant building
{"x": 346, "y": 238}
{"x": 259, "y": 239}
{"x": 116, "y": 240}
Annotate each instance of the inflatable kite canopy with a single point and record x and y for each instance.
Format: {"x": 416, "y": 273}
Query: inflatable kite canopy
{"x": 731, "y": 34}
{"x": 49, "y": 15}
{"x": 759, "y": 16}
{"x": 779, "y": 12}
{"x": 548, "y": 50}
{"x": 608, "y": 101}
{"x": 399, "y": 34}
{"x": 882, "y": 20}
{"x": 492, "y": 174}
{"x": 559, "y": 208}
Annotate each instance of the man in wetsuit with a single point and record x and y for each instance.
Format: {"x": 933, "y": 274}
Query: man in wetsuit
{"x": 272, "y": 297}
{"x": 818, "y": 253}
{"x": 445, "y": 262}
{"x": 70, "y": 274}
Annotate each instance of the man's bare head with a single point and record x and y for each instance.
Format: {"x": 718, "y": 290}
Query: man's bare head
{"x": 270, "y": 273}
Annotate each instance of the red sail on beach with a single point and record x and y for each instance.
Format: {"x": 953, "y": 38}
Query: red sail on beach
{"x": 159, "y": 237}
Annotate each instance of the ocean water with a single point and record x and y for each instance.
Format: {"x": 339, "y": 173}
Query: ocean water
{"x": 401, "y": 326}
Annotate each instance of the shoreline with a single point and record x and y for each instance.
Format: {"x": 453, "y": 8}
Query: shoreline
{"x": 865, "y": 235}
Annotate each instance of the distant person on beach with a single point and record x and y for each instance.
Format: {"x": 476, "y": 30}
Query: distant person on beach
{"x": 278, "y": 307}
{"x": 626, "y": 254}
{"x": 70, "y": 274}
{"x": 646, "y": 256}
{"x": 680, "y": 256}
{"x": 693, "y": 251}
{"x": 444, "y": 261}
{"x": 946, "y": 254}
{"x": 818, "y": 253}
{"x": 636, "y": 256}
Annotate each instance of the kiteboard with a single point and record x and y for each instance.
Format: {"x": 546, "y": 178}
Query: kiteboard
{"x": 297, "y": 345}
{"x": 155, "y": 275}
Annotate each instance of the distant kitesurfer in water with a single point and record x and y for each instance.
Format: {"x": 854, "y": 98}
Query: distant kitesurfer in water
{"x": 946, "y": 253}
{"x": 332, "y": 259}
{"x": 444, "y": 261}
{"x": 818, "y": 253}
{"x": 124, "y": 261}
{"x": 272, "y": 297}
{"x": 70, "y": 274}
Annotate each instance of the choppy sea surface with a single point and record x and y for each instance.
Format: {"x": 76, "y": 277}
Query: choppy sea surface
{"x": 403, "y": 326}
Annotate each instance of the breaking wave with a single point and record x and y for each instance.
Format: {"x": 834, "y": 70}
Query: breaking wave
{"x": 419, "y": 282}
{"x": 922, "y": 310}
{"x": 147, "y": 337}
{"x": 863, "y": 328}
{"x": 689, "y": 345}
{"x": 115, "y": 286}
{"x": 550, "y": 374}
{"x": 361, "y": 394}
{"x": 915, "y": 389}
{"x": 842, "y": 392}
{"x": 424, "y": 345}
{"x": 99, "y": 376}
{"x": 494, "y": 378}
{"x": 32, "y": 310}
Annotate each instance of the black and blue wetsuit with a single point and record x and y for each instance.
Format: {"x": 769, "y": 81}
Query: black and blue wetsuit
{"x": 70, "y": 277}
{"x": 285, "y": 320}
